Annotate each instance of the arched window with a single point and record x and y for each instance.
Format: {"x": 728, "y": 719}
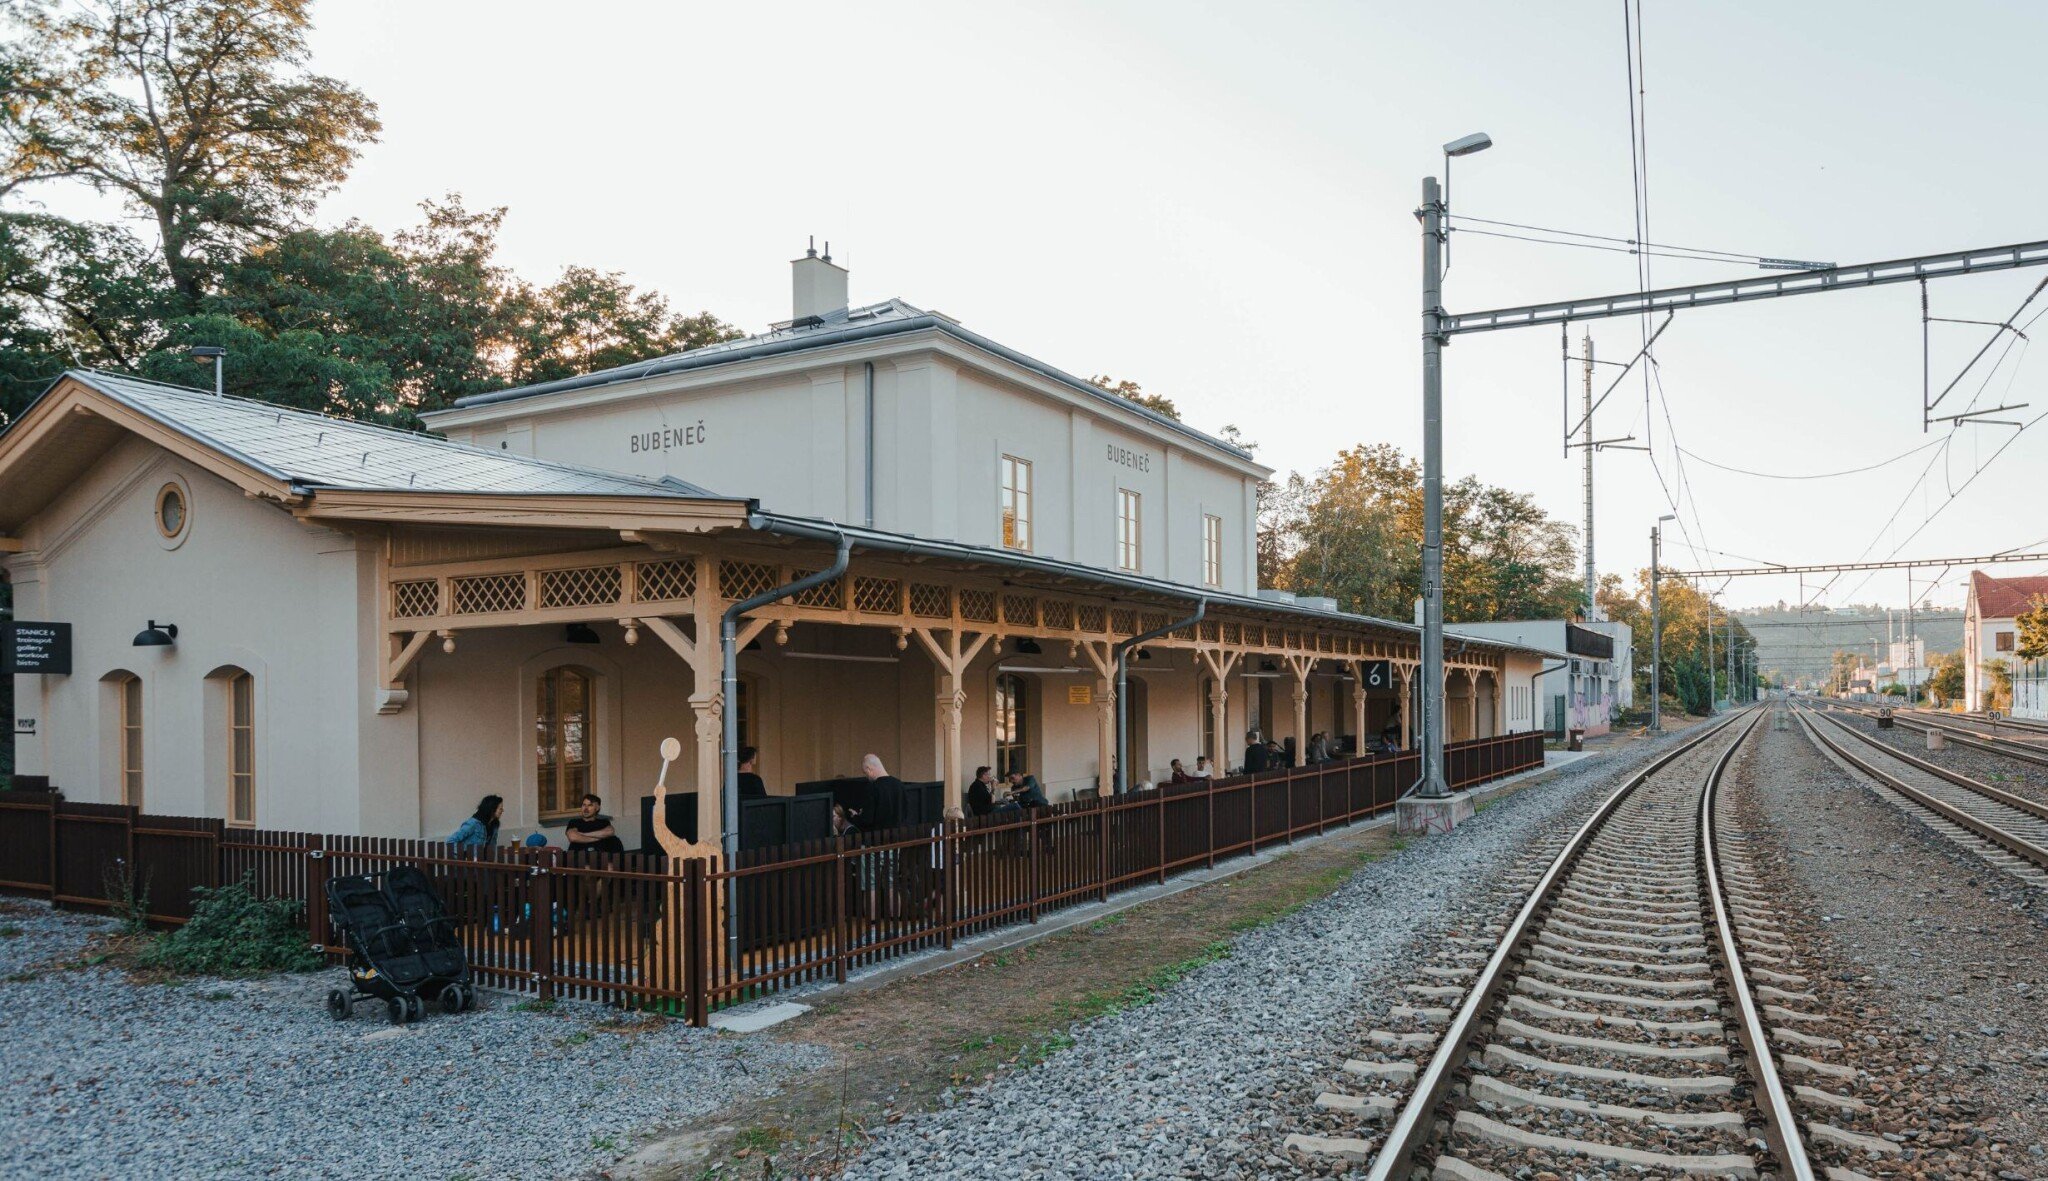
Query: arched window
{"x": 562, "y": 739}
{"x": 242, "y": 750}
{"x": 1012, "y": 725}
{"x": 127, "y": 736}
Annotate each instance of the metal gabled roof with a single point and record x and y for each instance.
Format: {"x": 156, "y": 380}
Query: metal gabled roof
{"x": 315, "y": 451}
{"x": 845, "y": 326}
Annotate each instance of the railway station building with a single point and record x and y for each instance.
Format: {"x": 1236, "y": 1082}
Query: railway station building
{"x": 1991, "y": 633}
{"x": 227, "y": 608}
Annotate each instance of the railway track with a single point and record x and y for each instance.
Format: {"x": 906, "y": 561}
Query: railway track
{"x": 2008, "y": 830}
{"x": 1961, "y": 730}
{"x": 1634, "y": 1015}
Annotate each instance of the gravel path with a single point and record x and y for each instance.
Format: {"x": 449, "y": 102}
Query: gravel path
{"x": 1208, "y": 1081}
{"x": 1945, "y": 958}
{"x": 207, "y": 1078}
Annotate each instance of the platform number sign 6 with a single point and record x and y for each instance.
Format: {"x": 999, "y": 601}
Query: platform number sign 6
{"x": 1376, "y": 674}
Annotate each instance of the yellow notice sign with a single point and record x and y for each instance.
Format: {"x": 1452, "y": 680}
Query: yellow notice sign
{"x": 1080, "y": 695}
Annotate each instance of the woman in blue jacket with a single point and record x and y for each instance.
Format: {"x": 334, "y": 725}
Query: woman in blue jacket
{"x": 481, "y": 829}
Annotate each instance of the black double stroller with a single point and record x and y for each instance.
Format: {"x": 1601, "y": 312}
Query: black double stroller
{"x": 402, "y": 946}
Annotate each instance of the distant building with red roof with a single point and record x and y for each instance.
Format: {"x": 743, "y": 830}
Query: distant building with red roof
{"x": 1991, "y": 632}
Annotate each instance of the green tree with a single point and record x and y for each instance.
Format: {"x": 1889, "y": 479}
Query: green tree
{"x": 2033, "y": 630}
{"x": 199, "y": 114}
{"x": 1999, "y": 674}
{"x": 1945, "y": 682}
{"x": 1130, "y": 391}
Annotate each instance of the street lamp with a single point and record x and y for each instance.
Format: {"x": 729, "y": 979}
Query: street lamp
{"x": 1657, "y": 627}
{"x": 1432, "y": 214}
{"x": 202, "y": 354}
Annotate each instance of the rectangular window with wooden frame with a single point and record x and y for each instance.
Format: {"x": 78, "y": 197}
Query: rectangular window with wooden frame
{"x": 131, "y": 742}
{"x": 562, "y": 752}
{"x": 242, "y": 750}
{"x": 1015, "y": 477}
{"x": 1129, "y": 552}
{"x": 1212, "y": 550}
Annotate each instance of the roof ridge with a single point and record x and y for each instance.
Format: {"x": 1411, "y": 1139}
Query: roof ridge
{"x": 380, "y": 428}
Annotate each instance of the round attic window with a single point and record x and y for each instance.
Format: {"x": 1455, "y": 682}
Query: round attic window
{"x": 171, "y": 511}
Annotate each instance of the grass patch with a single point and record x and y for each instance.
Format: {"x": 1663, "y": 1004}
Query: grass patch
{"x": 11, "y": 932}
{"x": 604, "y": 1144}
{"x": 758, "y": 1140}
{"x": 575, "y": 1039}
{"x": 535, "y": 1006}
{"x": 1107, "y": 921}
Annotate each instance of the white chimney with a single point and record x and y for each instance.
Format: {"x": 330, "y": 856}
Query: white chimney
{"x": 819, "y": 286}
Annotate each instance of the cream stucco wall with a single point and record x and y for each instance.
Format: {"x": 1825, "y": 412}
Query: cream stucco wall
{"x": 249, "y": 588}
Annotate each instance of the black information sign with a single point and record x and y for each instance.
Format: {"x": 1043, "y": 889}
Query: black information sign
{"x": 1376, "y": 674}
{"x": 35, "y": 647}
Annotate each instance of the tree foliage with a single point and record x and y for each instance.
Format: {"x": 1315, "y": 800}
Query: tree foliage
{"x": 1945, "y": 681}
{"x": 1131, "y": 391}
{"x": 2033, "y": 630}
{"x": 201, "y": 116}
{"x": 1353, "y": 531}
{"x": 1688, "y": 679}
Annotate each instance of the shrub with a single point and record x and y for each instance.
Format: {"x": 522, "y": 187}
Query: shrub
{"x": 233, "y": 932}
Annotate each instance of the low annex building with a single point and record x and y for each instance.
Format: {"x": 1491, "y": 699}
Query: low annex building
{"x": 299, "y": 622}
{"x": 1581, "y": 688}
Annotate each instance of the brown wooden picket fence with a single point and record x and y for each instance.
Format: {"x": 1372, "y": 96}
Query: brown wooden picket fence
{"x": 647, "y": 932}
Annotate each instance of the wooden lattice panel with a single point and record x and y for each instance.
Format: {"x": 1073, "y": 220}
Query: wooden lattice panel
{"x": 415, "y": 600}
{"x": 1091, "y": 617}
{"x": 1211, "y": 630}
{"x": 667, "y": 581}
{"x": 583, "y": 586}
{"x": 978, "y": 605}
{"x": 1059, "y": 614}
{"x": 743, "y": 580}
{"x": 930, "y": 600}
{"x": 829, "y": 595}
{"x": 878, "y": 596}
{"x": 484, "y": 594}
{"x": 1020, "y": 609}
{"x": 1123, "y": 621}
{"x": 1255, "y": 634}
{"x": 1233, "y": 634}
{"x": 1153, "y": 620}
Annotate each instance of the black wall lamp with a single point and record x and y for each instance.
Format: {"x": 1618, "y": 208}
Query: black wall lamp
{"x": 581, "y": 633}
{"x": 157, "y": 637}
{"x": 1026, "y": 646}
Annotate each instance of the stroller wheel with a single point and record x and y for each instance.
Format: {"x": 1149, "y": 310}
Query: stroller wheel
{"x": 337, "y": 1004}
{"x": 415, "y": 1008}
{"x": 469, "y": 996}
{"x": 398, "y": 1009}
{"x": 453, "y": 999}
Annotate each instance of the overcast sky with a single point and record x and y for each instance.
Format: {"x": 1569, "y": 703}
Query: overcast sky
{"x": 1215, "y": 200}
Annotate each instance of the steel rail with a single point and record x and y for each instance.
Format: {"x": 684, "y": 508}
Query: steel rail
{"x": 2022, "y": 803}
{"x": 2019, "y": 847}
{"x": 1781, "y": 1127}
{"x": 1971, "y": 738}
{"x": 1412, "y": 1127}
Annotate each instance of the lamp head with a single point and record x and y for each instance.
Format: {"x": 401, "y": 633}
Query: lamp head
{"x": 1667, "y": 517}
{"x": 1478, "y": 141}
{"x": 154, "y": 636}
{"x": 204, "y": 354}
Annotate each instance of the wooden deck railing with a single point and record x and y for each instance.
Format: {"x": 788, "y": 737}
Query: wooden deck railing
{"x": 642, "y": 931}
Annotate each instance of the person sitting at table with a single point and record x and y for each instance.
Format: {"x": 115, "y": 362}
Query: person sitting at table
{"x": 1202, "y": 769}
{"x": 592, "y": 831}
{"x": 481, "y": 830}
{"x": 751, "y": 785}
{"x": 1025, "y": 792}
{"x": 981, "y": 793}
{"x": 1180, "y": 773}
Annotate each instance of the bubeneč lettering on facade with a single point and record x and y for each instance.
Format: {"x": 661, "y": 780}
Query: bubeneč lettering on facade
{"x": 1136, "y": 460}
{"x": 669, "y": 437}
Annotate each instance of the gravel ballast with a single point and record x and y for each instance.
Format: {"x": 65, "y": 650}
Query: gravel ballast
{"x": 1209, "y": 1079}
{"x": 102, "y": 1076}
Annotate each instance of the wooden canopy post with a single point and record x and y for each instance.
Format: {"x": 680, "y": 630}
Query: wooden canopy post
{"x": 1300, "y": 666}
{"x": 1101, "y": 655}
{"x": 952, "y": 658}
{"x": 1219, "y": 662}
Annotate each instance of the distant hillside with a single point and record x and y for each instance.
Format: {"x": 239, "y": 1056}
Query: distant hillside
{"x": 1799, "y": 643}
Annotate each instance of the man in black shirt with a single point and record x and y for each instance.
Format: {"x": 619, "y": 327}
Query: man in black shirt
{"x": 592, "y": 831}
{"x": 883, "y": 809}
{"x": 751, "y": 786}
{"x": 1255, "y": 757}
{"x": 981, "y": 794}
